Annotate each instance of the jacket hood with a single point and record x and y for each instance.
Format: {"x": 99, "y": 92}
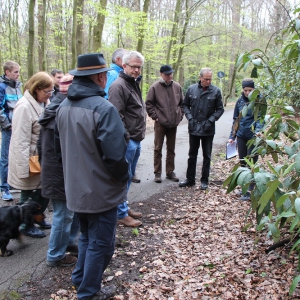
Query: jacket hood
{"x": 50, "y": 111}
{"x": 11, "y": 83}
{"x": 83, "y": 87}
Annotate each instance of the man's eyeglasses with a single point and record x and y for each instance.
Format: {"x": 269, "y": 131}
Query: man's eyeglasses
{"x": 135, "y": 67}
{"x": 49, "y": 92}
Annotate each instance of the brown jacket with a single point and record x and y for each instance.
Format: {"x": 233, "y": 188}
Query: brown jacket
{"x": 164, "y": 102}
{"x": 126, "y": 96}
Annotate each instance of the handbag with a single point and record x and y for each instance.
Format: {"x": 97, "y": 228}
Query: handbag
{"x": 34, "y": 165}
{"x": 236, "y": 125}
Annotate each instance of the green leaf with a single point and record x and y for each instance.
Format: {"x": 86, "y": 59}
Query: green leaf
{"x": 297, "y": 25}
{"x": 297, "y": 206}
{"x": 254, "y": 73}
{"x": 282, "y": 199}
{"x": 287, "y": 214}
{"x": 266, "y": 196}
{"x": 271, "y": 143}
{"x": 244, "y": 111}
{"x": 274, "y": 230}
{"x": 295, "y": 245}
{"x": 275, "y": 156}
{"x": 261, "y": 179}
{"x": 297, "y": 162}
{"x": 294, "y": 284}
{"x": 294, "y": 223}
{"x": 246, "y": 227}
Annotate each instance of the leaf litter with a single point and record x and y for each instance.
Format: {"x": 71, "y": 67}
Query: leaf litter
{"x": 192, "y": 246}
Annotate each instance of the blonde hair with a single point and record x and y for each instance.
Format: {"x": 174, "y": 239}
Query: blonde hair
{"x": 38, "y": 81}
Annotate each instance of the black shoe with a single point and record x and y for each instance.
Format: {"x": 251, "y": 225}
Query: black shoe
{"x": 186, "y": 183}
{"x": 44, "y": 225}
{"x": 204, "y": 186}
{"x": 245, "y": 197}
{"x": 105, "y": 293}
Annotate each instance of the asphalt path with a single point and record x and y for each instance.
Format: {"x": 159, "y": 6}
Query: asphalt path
{"x": 29, "y": 257}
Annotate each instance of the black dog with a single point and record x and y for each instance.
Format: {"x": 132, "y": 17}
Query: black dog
{"x": 11, "y": 217}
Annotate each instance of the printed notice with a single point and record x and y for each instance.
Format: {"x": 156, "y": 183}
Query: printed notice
{"x": 231, "y": 150}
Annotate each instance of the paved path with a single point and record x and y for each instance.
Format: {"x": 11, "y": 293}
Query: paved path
{"x": 29, "y": 257}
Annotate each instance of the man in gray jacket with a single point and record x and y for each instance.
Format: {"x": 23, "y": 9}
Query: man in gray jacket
{"x": 163, "y": 104}
{"x": 202, "y": 106}
{"x": 93, "y": 147}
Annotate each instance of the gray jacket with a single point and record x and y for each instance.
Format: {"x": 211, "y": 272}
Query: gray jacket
{"x": 202, "y": 109}
{"x": 93, "y": 147}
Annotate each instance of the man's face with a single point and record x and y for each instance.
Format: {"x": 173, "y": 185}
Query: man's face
{"x": 133, "y": 68}
{"x": 206, "y": 79}
{"x": 167, "y": 77}
{"x": 13, "y": 74}
{"x": 103, "y": 79}
{"x": 57, "y": 77}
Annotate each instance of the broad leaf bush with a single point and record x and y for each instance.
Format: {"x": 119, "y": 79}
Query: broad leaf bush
{"x": 276, "y": 197}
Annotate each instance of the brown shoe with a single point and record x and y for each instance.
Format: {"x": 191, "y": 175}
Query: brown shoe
{"x": 135, "y": 179}
{"x": 157, "y": 178}
{"x": 129, "y": 222}
{"x": 134, "y": 214}
{"x": 172, "y": 176}
{"x": 67, "y": 261}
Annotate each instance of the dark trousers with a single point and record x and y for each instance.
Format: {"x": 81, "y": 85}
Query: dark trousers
{"x": 244, "y": 151}
{"x": 160, "y": 132}
{"x": 95, "y": 249}
{"x": 206, "y": 144}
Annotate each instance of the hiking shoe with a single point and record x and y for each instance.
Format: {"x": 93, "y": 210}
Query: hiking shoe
{"x": 172, "y": 176}
{"x": 6, "y": 196}
{"x": 67, "y": 261}
{"x": 105, "y": 293}
{"x": 44, "y": 225}
{"x": 33, "y": 232}
{"x": 204, "y": 186}
{"x": 129, "y": 222}
{"x": 187, "y": 182}
{"x": 134, "y": 214}
{"x": 135, "y": 179}
{"x": 157, "y": 178}
{"x": 245, "y": 197}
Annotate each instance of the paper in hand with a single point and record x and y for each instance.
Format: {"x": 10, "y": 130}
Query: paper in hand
{"x": 231, "y": 150}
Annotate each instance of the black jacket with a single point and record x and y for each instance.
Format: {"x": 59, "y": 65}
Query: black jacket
{"x": 202, "y": 109}
{"x": 52, "y": 175}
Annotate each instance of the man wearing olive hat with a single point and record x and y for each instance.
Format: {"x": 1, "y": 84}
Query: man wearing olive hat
{"x": 93, "y": 147}
{"x": 163, "y": 105}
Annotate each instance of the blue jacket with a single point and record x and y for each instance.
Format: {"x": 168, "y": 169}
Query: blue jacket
{"x": 10, "y": 93}
{"x": 112, "y": 75}
{"x": 247, "y": 127}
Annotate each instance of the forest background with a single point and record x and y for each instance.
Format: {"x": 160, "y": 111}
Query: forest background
{"x": 187, "y": 34}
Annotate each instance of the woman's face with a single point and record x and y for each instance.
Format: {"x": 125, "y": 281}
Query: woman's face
{"x": 247, "y": 91}
{"x": 43, "y": 95}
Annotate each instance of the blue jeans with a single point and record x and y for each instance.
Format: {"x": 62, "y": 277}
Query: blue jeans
{"x": 95, "y": 249}
{"x": 62, "y": 225}
{"x": 6, "y": 136}
{"x": 132, "y": 155}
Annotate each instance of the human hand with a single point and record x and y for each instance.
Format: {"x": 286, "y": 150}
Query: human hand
{"x": 230, "y": 141}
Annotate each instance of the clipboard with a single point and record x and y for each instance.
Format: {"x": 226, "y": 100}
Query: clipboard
{"x": 231, "y": 150}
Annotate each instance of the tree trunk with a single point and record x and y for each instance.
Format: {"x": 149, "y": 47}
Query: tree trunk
{"x": 74, "y": 31}
{"x": 30, "y": 51}
{"x": 41, "y": 34}
{"x": 143, "y": 26}
{"x": 98, "y": 28}
{"x": 79, "y": 33}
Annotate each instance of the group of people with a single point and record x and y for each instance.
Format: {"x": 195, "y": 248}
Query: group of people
{"x": 87, "y": 127}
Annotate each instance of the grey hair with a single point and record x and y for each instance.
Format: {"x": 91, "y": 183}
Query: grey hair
{"x": 204, "y": 70}
{"x": 132, "y": 54}
{"x": 117, "y": 53}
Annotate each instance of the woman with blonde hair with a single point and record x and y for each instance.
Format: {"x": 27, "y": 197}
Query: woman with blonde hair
{"x": 25, "y": 133}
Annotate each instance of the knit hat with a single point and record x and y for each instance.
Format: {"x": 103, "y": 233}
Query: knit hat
{"x": 248, "y": 83}
{"x": 65, "y": 82}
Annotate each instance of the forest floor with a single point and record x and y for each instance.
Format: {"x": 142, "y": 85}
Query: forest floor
{"x": 192, "y": 245}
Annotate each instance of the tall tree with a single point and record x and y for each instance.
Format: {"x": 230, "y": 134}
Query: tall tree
{"x": 98, "y": 27}
{"x": 79, "y": 31}
{"x": 143, "y": 26}
{"x": 41, "y": 34}
{"x": 30, "y": 51}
